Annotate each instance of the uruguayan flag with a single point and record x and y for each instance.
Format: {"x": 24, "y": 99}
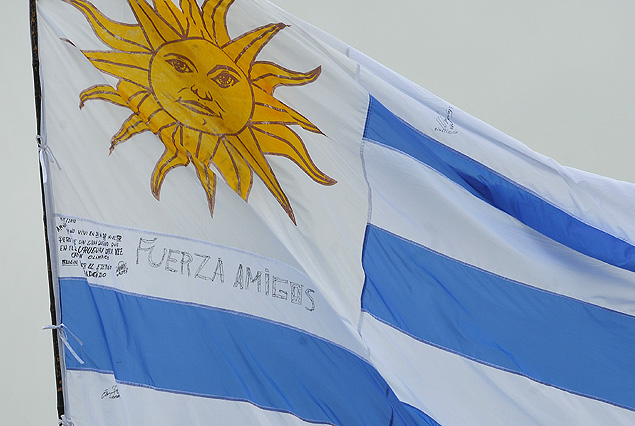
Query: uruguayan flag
{"x": 254, "y": 224}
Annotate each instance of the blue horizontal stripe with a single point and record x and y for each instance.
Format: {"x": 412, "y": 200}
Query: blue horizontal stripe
{"x": 556, "y": 340}
{"x": 202, "y": 351}
{"x": 384, "y": 127}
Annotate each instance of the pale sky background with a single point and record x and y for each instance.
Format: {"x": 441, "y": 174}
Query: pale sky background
{"x": 558, "y": 76}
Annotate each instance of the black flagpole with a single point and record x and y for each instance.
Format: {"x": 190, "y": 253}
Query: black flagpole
{"x": 38, "y": 114}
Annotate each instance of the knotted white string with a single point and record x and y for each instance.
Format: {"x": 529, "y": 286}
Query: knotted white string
{"x": 46, "y": 156}
{"x": 61, "y": 332}
{"x": 65, "y": 421}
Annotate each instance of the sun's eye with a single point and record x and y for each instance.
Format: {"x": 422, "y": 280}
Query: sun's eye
{"x": 225, "y": 79}
{"x": 179, "y": 65}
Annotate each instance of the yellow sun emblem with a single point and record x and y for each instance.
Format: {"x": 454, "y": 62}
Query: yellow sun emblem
{"x": 202, "y": 93}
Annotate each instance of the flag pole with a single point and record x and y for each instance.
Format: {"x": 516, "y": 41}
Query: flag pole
{"x": 38, "y": 114}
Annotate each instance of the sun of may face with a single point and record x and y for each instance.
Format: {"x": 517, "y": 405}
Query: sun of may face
{"x": 202, "y": 93}
{"x": 201, "y": 87}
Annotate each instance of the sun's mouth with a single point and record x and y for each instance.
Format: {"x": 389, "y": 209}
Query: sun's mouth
{"x": 198, "y": 108}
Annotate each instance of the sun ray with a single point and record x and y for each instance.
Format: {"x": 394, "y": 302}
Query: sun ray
{"x": 132, "y": 126}
{"x": 268, "y": 76}
{"x": 137, "y": 100}
{"x": 244, "y": 172}
{"x": 125, "y": 37}
{"x": 233, "y": 167}
{"x": 172, "y": 15}
{"x": 191, "y": 140}
{"x": 248, "y": 147}
{"x": 245, "y": 48}
{"x": 277, "y": 139}
{"x": 215, "y": 20}
{"x": 156, "y": 30}
{"x": 206, "y": 147}
{"x": 193, "y": 15}
{"x": 208, "y": 181}
{"x": 129, "y": 90}
{"x": 172, "y": 157}
{"x": 159, "y": 120}
{"x": 101, "y": 92}
{"x": 148, "y": 108}
{"x": 271, "y": 110}
{"x": 132, "y": 67}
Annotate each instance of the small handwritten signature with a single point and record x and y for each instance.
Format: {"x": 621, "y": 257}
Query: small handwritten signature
{"x": 122, "y": 268}
{"x": 112, "y": 393}
{"x": 446, "y": 125}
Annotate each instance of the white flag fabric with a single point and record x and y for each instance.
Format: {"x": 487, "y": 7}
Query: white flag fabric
{"x": 254, "y": 224}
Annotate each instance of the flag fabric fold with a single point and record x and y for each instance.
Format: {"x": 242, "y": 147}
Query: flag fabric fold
{"x": 253, "y": 223}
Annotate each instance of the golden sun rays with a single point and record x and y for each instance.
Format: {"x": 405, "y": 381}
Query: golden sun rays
{"x": 202, "y": 93}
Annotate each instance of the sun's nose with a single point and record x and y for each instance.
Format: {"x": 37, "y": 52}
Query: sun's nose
{"x": 201, "y": 93}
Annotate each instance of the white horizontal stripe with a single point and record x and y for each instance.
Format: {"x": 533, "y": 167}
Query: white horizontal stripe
{"x": 93, "y": 401}
{"x": 457, "y": 391}
{"x": 457, "y": 224}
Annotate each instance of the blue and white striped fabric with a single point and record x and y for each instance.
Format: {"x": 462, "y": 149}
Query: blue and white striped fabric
{"x": 451, "y": 276}
{"x": 442, "y": 281}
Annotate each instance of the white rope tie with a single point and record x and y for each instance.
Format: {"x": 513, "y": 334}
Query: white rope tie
{"x": 61, "y": 332}
{"x": 65, "y": 421}
{"x": 46, "y": 156}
